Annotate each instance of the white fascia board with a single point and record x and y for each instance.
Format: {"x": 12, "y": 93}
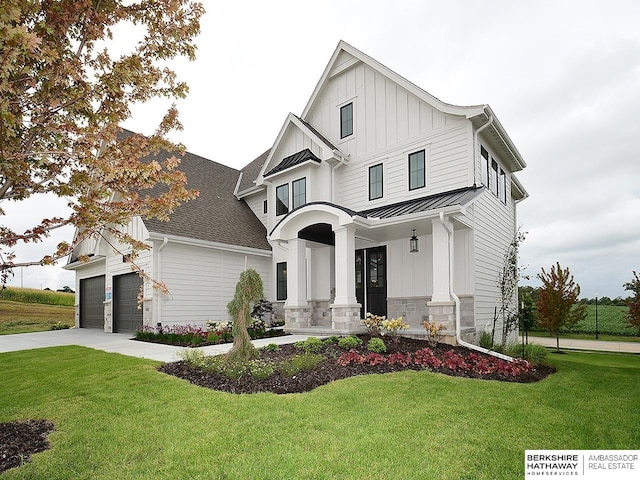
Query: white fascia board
{"x": 266, "y": 163}
{"x": 506, "y": 139}
{"x": 436, "y": 103}
{"x": 412, "y": 217}
{"x": 207, "y": 244}
{"x": 79, "y": 264}
{"x": 516, "y": 183}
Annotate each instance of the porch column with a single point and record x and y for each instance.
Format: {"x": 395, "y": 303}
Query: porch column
{"x": 345, "y": 310}
{"x": 297, "y": 312}
{"x": 441, "y": 273}
{"x": 296, "y": 274}
{"x": 345, "y": 266}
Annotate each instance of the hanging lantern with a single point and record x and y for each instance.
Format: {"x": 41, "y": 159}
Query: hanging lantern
{"x": 413, "y": 242}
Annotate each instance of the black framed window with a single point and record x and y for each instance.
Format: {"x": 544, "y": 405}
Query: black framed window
{"x": 494, "y": 177}
{"x": 502, "y": 187}
{"x": 281, "y": 281}
{"x": 484, "y": 166}
{"x": 346, "y": 120}
{"x": 282, "y": 199}
{"x": 264, "y": 207}
{"x": 375, "y": 182}
{"x": 299, "y": 188}
{"x": 416, "y": 170}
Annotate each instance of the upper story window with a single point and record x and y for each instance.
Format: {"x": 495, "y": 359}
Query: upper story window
{"x": 282, "y": 199}
{"x": 264, "y": 207}
{"x": 484, "y": 166}
{"x": 416, "y": 170}
{"x": 502, "y": 187}
{"x": 346, "y": 120}
{"x": 299, "y": 188}
{"x": 375, "y": 182}
{"x": 494, "y": 177}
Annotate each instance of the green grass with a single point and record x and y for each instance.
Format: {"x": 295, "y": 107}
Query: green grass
{"x": 117, "y": 417}
{"x": 31, "y": 295}
{"x": 18, "y": 317}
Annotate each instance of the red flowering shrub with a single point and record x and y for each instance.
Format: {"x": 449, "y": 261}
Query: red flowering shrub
{"x": 426, "y": 358}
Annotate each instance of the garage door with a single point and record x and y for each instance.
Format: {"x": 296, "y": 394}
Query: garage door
{"x": 92, "y": 302}
{"x": 126, "y": 315}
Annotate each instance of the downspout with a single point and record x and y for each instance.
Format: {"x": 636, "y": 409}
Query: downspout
{"x": 165, "y": 240}
{"x": 456, "y": 299}
{"x": 475, "y": 144}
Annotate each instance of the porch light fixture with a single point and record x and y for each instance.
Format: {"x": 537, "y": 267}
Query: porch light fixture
{"x": 413, "y": 242}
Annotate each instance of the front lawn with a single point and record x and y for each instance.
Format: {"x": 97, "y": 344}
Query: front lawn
{"x": 117, "y": 417}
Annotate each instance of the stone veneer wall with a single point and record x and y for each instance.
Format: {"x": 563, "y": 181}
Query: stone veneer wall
{"x": 321, "y": 316}
{"x": 413, "y": 310}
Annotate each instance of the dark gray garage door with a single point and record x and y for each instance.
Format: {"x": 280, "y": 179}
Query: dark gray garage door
{"x": 91, "y": 302}
{"x": 126, "y": 315}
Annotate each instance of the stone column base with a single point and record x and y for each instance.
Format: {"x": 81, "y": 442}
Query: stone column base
{"x": 297, "y": 317}
{"x": 345, "y": 318}
{"x": 444, "y": 313}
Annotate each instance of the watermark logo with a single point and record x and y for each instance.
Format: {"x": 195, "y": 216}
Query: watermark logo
{"x": 583, "y": 464}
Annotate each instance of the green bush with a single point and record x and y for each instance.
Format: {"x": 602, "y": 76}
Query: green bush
{"x": 272, "y": 347}
{"x": 331, "y": 340}
{"x": 193, "y": 356}
{"x": 532, "y": 353}
{"x": 485, "y": 341}
{"x": 260, "y": 369}
{"x": 310, "y": 345}
{"x": 376, "y": 345}
{"x": 304, "y": 361}
{"x": 347, "y": 343}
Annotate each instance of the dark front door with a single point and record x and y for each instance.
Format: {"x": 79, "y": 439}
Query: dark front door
{"x": 371, "y": 280}
{"x": 127, "y": 317}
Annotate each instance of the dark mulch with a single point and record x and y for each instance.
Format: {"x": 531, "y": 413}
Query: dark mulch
{"x": 328, "y": 370}
{"x": 19, "y": 440}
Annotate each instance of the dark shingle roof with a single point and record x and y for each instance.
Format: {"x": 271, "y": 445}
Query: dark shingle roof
{"x": 293, "y": 160}
{"x": 250, "y": 172}
{"x": 447, "y": 199}
{"x": 216, "y": 215}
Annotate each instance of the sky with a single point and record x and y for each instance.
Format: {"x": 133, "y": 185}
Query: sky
{"x": 563, "y": 77}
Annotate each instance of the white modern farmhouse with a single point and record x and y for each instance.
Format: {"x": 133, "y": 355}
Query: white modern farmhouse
{"x": 377, "y": 198}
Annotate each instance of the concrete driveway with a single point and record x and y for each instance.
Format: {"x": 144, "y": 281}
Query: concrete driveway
{"x": 116, "y": 343}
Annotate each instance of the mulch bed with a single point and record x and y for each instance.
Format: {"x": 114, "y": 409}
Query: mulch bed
{"x": 329, "y": 370}
{"x": 19, "y": 440}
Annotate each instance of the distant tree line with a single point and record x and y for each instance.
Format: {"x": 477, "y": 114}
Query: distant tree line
{"x": 534, "y": 293}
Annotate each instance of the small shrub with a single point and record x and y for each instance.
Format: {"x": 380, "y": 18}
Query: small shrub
{"x": 434, "y": 332}
{"x": 347, "y": 343}
{"x": 485, "y": 341}
{"x": 213, "y": 337}
{"x": 302, "y": 362}
{"x": 312, "y": 345}
{"x": 373, "y": 323}
{"x": 532, "y": 353}
{"x": 393, "y": 327}
{"x": 333, "y": 340}
{"x": 272, "y": 347}
{"x": 376, "y": 345}
{"x": 260, "y": 369}
{"x": 193, "y": 356}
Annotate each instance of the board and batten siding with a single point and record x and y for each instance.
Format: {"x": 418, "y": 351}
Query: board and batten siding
{"x": 446, "y": 161}
{"x": 202, "y": 281}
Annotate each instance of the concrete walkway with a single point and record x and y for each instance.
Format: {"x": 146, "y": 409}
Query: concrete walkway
{"x": 116, "y": 343}
{"x": 598, "y": 345}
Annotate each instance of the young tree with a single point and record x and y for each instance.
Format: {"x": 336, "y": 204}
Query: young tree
{"x": 510, "y": 273}
{"x": 558, "y": 305}
{"x": 66, "y": 87}
{"x": 633, "y": 315}
{"x": 249, "y": 290}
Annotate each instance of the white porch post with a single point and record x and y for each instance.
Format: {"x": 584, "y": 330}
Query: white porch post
{"x": 296, "y": 274}
{"x": 345, "y": 261}
{"x": 345, "y": 310}
{"x": 442, "y": 307}
{"x": 441, "y": 273}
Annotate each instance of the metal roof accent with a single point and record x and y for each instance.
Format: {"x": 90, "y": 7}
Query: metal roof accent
{"x": 292, "y": 161}
{"x": 460, "y": 197}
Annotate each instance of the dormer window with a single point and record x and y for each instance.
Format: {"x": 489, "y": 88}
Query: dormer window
{"x": 346, "y": 120}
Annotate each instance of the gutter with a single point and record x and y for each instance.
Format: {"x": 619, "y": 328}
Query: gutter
{"x": 456, "y": 299}
{"x": 475, "y": 144}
